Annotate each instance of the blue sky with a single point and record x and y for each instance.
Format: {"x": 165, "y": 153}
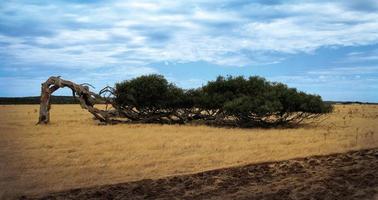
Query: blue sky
{"x": 323, "y": 47}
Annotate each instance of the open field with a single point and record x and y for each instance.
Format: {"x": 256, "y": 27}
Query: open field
{"x": 346, "y": 176}
{"x": 73, "y": 151}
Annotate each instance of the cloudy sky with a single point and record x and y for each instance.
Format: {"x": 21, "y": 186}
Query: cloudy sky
{"x": 324, "y": 47}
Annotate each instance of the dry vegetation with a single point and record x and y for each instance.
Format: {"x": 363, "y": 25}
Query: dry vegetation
{"x": 347, "y": 176}
{"x": 73, "y": 151}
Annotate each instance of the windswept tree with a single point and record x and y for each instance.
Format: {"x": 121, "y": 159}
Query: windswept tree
{"x": 149, "y": 99}
{"x": 237, "y": 101}
{"x": 227, "y": 100}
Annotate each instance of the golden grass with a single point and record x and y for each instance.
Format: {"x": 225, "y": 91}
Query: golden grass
{"x": 73, "y": 151}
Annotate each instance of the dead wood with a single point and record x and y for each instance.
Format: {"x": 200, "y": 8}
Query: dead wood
{"x": 86, "y": 98}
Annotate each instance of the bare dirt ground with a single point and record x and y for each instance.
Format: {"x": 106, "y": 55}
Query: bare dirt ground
{"x": 75, "y": 152}
{"x": 352, "y": 175}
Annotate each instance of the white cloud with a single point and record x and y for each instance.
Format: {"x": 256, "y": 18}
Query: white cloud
{"x": 116, "y": 40}
{"x": 150, "y": 31}
{"x": 367, "y": 56}
{"x": 67, "y": 37}
{"x": 305, "y": 34}
{"x": 336, "y": 83}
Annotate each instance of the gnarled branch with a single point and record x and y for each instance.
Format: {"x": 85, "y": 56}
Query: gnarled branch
{"x": 86, "y": 98}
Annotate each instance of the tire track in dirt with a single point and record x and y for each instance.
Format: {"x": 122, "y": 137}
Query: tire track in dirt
{"x": 352, "y": 175}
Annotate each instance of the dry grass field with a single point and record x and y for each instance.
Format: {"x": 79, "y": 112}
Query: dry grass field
{"x": 346, "y": 176}
{"x": 73, "y": 151}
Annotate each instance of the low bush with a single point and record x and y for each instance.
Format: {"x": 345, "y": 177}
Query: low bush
{"x": 236, "y": 101}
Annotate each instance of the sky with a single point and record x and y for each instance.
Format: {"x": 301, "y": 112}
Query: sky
{"x": 321, "y": 47}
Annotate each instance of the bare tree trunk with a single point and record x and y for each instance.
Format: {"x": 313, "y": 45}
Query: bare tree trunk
{"x": 44, "y": 109}
{"x": 86, "y": 99}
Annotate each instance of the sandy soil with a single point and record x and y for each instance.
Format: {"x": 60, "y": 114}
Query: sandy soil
{"x": 352, "y": 175}
{"x": 74, "y": 152}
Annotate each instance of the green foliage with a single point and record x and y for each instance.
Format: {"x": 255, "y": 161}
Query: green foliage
{"x": 248, "y": 101}
{"x": 152, "y": 92}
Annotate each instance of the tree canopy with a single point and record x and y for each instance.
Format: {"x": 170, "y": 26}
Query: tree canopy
{"x": 237, "y": 101}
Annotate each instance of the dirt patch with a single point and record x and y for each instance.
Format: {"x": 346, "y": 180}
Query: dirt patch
{"x": 352, "y": 175}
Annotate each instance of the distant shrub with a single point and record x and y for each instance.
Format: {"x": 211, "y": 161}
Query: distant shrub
{"x": 227, "y": 100}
